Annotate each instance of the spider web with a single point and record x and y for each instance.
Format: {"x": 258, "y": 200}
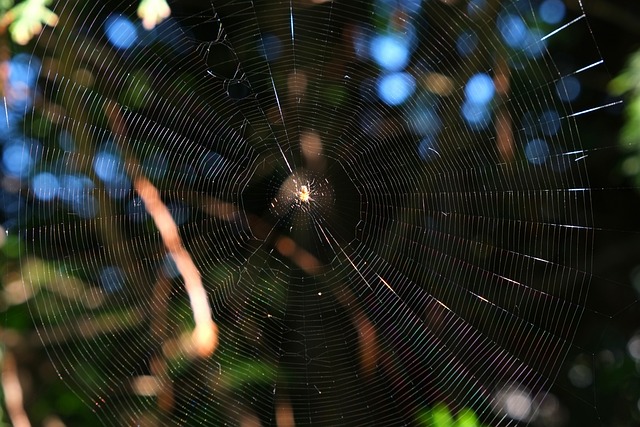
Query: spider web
{"x": 386, "y": 203}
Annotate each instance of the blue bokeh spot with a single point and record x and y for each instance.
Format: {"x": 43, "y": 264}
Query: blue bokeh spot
{"x": 568, "y": 89}
{"x": 537, "y": 151}
{"x": 17, "y": 160}
{"x": 73, "y": 186}
{"x": 121, "y": 32}
{"x": 112, "y": 279}
{"x": 170, "y": 268}
{"x": 23, "y": 69}
{"x": 65, "y": 140}
{"x": 480, "y": 89}
{"x": 427, "y": 149}
{"x": 179, "y": 212}
{"x": 271, "y": 47}
{"x": 476, "y": 6}
{"x": 106, "y": 166}
{"x": 425, "y": 121}
{"x": 212, "y": 164}
{"x": 477, "y": 116}
{"x": 466, "y": 43}
{"x": 45, "y": 186}
{"x": 395, "y": 88}
{"x": 550, "y": 122}
{"x": 513, "y": 30}
{"x": 535, "y": 46}
{"x": 390, "y": 52}
{"x": 552, "y": 11}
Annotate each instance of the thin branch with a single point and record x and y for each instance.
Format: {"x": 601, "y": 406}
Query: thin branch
{"x": 12, "y": 390}
{"x": 205, "y": 334}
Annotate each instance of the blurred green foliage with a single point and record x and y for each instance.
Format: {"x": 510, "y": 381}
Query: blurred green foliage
{"x": 441, "y": 416}
{"x": 25, "y": 19}
{"x": 627, "y": 84}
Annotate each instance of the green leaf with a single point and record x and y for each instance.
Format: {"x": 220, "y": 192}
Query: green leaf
{"x": 26, "y": 19}
{"x": 442, "y": 417}
{"x": 467, "y": 418}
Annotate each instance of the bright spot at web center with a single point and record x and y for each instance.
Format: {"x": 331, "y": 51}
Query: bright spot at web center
{"x": 304, "y": 194}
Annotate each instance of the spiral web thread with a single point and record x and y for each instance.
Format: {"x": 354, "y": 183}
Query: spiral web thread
{"x": 375, "y": 234}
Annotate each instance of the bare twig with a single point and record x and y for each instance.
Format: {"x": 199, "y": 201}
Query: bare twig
{"x": 12, "y": 390}
{"x": 205, "y": 334}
